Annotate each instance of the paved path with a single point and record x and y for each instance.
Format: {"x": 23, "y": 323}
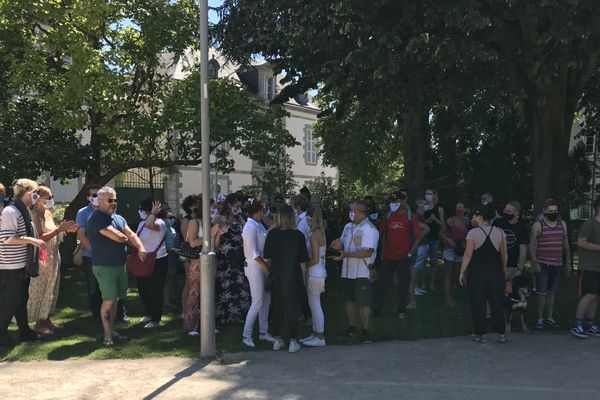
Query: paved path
{"x": 531, "y": 366}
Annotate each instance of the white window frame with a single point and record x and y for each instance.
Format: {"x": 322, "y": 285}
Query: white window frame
{"x": 311, "y": 155}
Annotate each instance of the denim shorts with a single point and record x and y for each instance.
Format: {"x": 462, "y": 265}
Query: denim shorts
{"x": 421, "y": 256}
{"x": 434, "y": 250}
{"x": 450, "y": 255}
{"x": 546, "y": 281}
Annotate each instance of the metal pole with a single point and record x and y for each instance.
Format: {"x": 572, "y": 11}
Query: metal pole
{"x": 207, "y": 258}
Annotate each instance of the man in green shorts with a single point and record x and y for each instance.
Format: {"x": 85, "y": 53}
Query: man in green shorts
{"x": 358, "y": 248}
{"x": 108, "y": 233}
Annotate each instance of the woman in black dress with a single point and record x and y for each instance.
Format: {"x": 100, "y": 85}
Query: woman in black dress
{"x": 285, "y": 249}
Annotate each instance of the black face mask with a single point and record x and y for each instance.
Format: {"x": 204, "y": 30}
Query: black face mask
{"x": 552, "y": 216}
{"x": 508, "y": 216}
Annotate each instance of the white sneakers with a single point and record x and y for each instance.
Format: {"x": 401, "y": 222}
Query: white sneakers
{"x": 278, "y": 345}
{"x": 266, "y": 337}
{"x": 248, "y": 342}
{"x": 294, "y": 346}
{"x": 306, "y": 339}
{"x": 193, "y": 333}
{"x": 314, "y": 342}
{"x": 152, "y": 325}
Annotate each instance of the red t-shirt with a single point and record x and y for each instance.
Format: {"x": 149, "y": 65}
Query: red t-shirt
{"x": 397, "y": 235}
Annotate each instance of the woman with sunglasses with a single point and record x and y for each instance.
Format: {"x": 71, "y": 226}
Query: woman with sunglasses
{"x": 18, "y": 251}
{"x": 43, "y": 290}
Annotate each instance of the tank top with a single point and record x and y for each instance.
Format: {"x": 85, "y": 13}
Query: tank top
{"x": 550, "y": 244}
{"x": 318, "y": 270}
{"x": 486, "y": 258}
{"x": 458, "y": 233}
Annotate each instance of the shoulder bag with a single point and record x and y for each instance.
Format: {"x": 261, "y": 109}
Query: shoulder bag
{"x": 139, "y": 268}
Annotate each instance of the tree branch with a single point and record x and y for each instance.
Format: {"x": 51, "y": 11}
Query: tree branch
{"x": 118, "y": 168}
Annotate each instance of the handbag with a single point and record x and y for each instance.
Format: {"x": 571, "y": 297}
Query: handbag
{"x": 139, "y": 268}
{"x": 186, "y": 250}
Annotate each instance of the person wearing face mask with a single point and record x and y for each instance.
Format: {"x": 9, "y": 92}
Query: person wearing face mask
{"x": 517, "y": 238}
{"x": 43, "y": 290}
{"x": 401, "y": 235}
{"x": 454, "y": 233}
{"x": 358, "y": 249}
{"x": 171, "y": 244}
{"x": 483, "y": 272}
{"x": 232, "y": 290}
{"x": 434, "y": 217}
{"x": 19, "y": 250}
{"x": 152, "y": 231}
{"x": 549, "y": 251}
{"x": 189, "y": 203}
{"x": 108, "y": 233}
{"x": 93, "y": 289}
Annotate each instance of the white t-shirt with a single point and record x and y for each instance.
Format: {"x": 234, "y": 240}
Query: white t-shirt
{"x": 151, "y": 239}
{"x": 305, "y": 229}
{"x": 254, "y": 236}
{"x": 358, "y": 237}
{"x": 318, "y": 270}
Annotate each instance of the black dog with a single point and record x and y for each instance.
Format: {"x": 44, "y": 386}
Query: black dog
{"x": 516, "y": 302}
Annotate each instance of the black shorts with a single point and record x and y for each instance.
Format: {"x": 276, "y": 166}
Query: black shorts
{"x": 589, "y": 282}
{"x": 356, "y": 290}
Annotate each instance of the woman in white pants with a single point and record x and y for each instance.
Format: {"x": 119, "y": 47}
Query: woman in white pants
{"x": 315, "y": 283}
{"x": 256, "y": 270}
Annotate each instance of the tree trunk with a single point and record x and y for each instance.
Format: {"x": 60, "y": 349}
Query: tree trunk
{"x": 417, "y": 151}
{"x": 549, "y": 121}
{"x": 447, "y": 179}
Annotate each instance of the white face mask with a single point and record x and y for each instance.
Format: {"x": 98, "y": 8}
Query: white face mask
{"x": 214, "y": 212}
{"x": 142, "y": 214}
{"x": 429, "y": 197}
{"x": 373, "y": 216}
{"x": 394, "y": 207}
{"x": 95, "y": 201}
{"x": 34, "y": 198}
{"x": 351, "y": 214}
{"x": 49, "y": 204}
{"x": 236, "y": 211}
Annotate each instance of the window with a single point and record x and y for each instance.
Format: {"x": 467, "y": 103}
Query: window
{"x": 269, "y": 88}
{"x": 589, "y": 144}
{"x": 310, "y": 148}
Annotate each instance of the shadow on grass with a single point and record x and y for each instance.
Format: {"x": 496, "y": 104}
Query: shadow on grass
{"x": 79, "y": 349}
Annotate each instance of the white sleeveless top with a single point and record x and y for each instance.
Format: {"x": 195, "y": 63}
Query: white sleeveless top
{"x": 318, "y": 270}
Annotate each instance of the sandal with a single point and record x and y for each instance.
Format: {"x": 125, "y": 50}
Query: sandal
{"x": 479, "y": 339}
{"x": 502, "y": 339}
{"x": 108, "y": 343}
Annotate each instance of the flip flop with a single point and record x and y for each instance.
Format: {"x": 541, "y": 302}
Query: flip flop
{"x": 108, "y": 343}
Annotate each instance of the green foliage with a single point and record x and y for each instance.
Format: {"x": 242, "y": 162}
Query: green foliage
{"x": 275, "y": 178}
{"x": 104, "y": 71}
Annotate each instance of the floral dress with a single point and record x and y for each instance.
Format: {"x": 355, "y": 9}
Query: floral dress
{"x": 232, "y": 290}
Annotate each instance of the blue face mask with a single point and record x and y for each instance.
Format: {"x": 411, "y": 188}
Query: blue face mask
{"x": 170, "y": 221}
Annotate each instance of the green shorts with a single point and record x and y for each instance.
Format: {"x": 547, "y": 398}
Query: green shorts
{"x": 112, "y": 280}
{"x": 356, "y": 290}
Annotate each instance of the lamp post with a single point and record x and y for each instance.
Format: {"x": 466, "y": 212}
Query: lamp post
{"x": 207, "y": 258}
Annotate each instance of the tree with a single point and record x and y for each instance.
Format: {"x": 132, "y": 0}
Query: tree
{"x": 276, "y": 178}
{"x": 384, "y": 49}
{"x": 100, "y": 75}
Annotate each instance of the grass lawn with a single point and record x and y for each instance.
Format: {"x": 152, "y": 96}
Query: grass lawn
{"x": 81, "y": 336}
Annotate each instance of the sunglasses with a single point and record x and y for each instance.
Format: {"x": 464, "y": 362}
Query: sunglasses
{"x": 110, "y": 201}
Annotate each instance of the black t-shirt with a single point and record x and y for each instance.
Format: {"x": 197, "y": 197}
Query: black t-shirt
{"x": 434, "y": 228}
{"x": 286, "y": 249}
{"x": 516, "y": 235}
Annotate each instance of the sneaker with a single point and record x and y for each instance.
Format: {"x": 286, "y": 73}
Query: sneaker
{"x": 152, "y": 325}
{"x": 552, "y": 322}
{"x": 266, "y": 337}
{"x": 423, "y": 291}
{"x": 365, "y": 338}
{"x": 193, "y": 333}
{"x": 145, "y": 320}
{"x": 279, "y": 344}
{"x": 294, "y": 346}
{"x": 539, "y": 324}
{"x": 306, "y": 339}
{"x": 593, "y": 331}
{"x": 419, "y": 292}
{"x": 314, "y": 342}
{"x": 248, "y": 342}
{"x": 578, "y": 332}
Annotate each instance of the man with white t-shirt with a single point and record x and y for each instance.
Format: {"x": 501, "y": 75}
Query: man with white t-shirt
{"x": 358, "y": 249}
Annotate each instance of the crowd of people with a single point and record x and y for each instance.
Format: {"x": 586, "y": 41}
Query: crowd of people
{"x": 271, "y": 261}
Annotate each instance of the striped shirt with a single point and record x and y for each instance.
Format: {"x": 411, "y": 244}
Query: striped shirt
{"x": 12, "y": 224}
{"x": 550, "y": 244}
